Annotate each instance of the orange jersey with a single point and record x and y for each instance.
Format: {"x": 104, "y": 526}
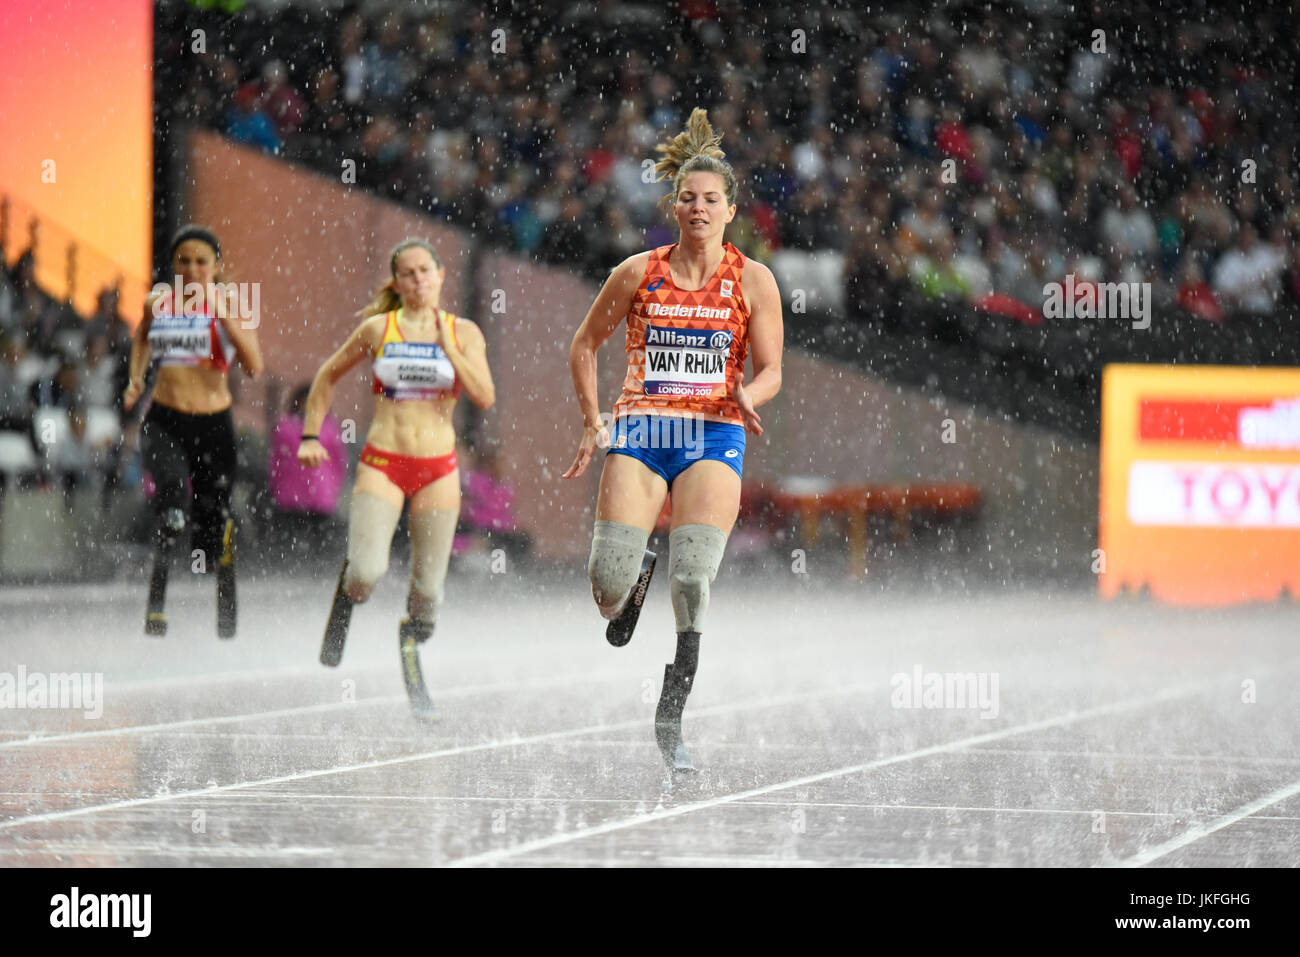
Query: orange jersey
{"x": 685, "y": 348}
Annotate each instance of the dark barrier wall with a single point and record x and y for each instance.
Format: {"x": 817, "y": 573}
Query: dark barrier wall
{"x": 319, "y": 249}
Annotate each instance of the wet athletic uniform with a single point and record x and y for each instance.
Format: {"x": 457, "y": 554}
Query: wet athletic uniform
{"x": 405, "y": 371}
{"x": 685, "y": 349}
{"x": 184, "y": 447}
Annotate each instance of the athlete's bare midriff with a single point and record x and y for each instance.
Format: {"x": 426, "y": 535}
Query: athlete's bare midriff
{"x": 421, "y": 428}
{"x": 194, "y": 391}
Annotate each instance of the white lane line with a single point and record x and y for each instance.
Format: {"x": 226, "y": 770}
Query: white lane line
{"x": 769, "y": 702}
{"x": 436, "y": 693}
{"x": 953, "y": 807}
{"x": 492, "y": 857}
{"x": 1140, "y": 756}
{"x": 1205, "y": 830}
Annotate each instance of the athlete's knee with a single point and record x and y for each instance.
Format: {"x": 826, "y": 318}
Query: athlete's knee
{"x": 432, "y": 532}
{"x": 694, "y": 554}
{"x": 370, "y": 538}
{"x": 362, "y": 575}
{"x": 616, "y": 553}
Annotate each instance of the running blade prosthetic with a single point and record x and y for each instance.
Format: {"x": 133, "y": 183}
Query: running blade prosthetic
{"x": 226, "y": 606}
{"x": 668, "y": 721}
{"x": 336, "y": 629}
{"x": 411, "y": 634}
{"x": 619, "y": 631}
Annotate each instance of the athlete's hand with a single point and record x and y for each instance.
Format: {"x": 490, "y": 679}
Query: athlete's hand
{"x": 592, "y": 436}
{"x": 445, "y": 336}
{"x": 752, "y": 421}
{"x": 311, "y": 453}
{"x": 132, "y": 394}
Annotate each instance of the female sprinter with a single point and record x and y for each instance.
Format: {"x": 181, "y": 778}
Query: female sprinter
{"x": 694, "y": 311}
{"x": 423, "y": 358}
{"x": 188, "y": 434}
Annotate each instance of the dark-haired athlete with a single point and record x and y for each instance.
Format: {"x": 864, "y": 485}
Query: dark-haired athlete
{"x": 188, "y": 434}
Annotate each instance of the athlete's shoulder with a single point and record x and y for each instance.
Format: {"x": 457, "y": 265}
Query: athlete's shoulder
{"x": 372, "y": 329}
{"x": 755, "y": 271}
{"x": 465, "y": 327}
{"x": 629, "y": 272}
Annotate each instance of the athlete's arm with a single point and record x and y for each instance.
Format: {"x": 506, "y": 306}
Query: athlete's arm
{"x": 140, "y": 355}
{"x": 247, "y": 349}
{"x": 467, "y": 350}
{"x": 609, "y": 309}
{"x": 360, "y": 345}
{"x": 766, "y": 341}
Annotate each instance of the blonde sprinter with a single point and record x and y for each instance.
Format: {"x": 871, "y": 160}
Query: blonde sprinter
{"x": 423, "y": 358}
{"x": 695, "y": 311}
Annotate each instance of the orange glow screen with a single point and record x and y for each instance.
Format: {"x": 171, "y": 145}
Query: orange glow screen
{"x": 76, "y": 124}
{"x": 1200, "y": 482}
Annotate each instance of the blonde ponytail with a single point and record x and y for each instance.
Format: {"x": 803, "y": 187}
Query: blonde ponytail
{"x": 695, "y": 150}
{"x": 385, "y": 300}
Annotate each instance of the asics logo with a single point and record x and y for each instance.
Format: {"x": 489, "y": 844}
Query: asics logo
{"x": 655, "y": 285}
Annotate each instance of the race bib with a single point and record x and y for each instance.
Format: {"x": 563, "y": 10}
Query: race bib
{"x": 181, "y": 340}
{"x": 687, "y": 362}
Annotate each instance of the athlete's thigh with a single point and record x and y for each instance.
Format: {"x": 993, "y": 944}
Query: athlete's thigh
{"x": 631, "y": 493}
{"x": 444, "y": 493}
{"x": 372, "y": 481}
{"x": 707, "y": 493}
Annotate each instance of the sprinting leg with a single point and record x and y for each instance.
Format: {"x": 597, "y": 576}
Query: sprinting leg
{"x": 372, "y": 520}
{"x": 434, "y": 510}
{"x": 620, "y": 566}
{"x": 165, "y": 459}
{"x": 706, "y": 500}
{"x": 213, "y": 454}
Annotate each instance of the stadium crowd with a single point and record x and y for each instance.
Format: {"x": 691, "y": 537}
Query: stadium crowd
{"x": 1106, "y": 144}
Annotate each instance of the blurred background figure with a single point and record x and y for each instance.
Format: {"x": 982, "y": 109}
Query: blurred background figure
{"x": 304, "y": 500}
{"x": 487, "y": 511}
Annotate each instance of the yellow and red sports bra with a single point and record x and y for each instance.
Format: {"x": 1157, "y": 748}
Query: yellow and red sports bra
{"x": 413, "y": 370}
{"x": 685, "y": 347}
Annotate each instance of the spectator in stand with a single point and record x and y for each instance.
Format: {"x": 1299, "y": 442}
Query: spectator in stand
{"x": 1292, "y": 289}
{"x": 18, "y": 372}
{"x": 304, "y": 500}
{"x": 875, "y": 277}
{"x": 8, "y": 302}
{"x": 565, "y": 239}
{"x": 280, "y": 101}
{"x": 387, "y": 67}
{"x": 1195, "y": 295}
{"x": 100, "y": 374}
{"x": 1248, "y": 276}
{"x": 935, "y": 274}
{"x": 1127, "y": 229}
{"x": 246, "y": 123}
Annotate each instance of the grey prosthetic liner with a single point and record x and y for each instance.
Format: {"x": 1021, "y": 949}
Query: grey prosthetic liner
{"x": 432, "y": 532}
{"x": 370, "y": 537}
{"x": 371, "y": 525}
{"x": 616, "y": 553}
{"x": 694, "y": 554}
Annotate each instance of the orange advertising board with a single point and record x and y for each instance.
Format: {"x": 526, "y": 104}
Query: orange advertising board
{"x": 1200, "y": 483}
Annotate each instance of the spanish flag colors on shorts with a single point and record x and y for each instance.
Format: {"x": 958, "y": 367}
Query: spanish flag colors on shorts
{"x": 686, "y": 347}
